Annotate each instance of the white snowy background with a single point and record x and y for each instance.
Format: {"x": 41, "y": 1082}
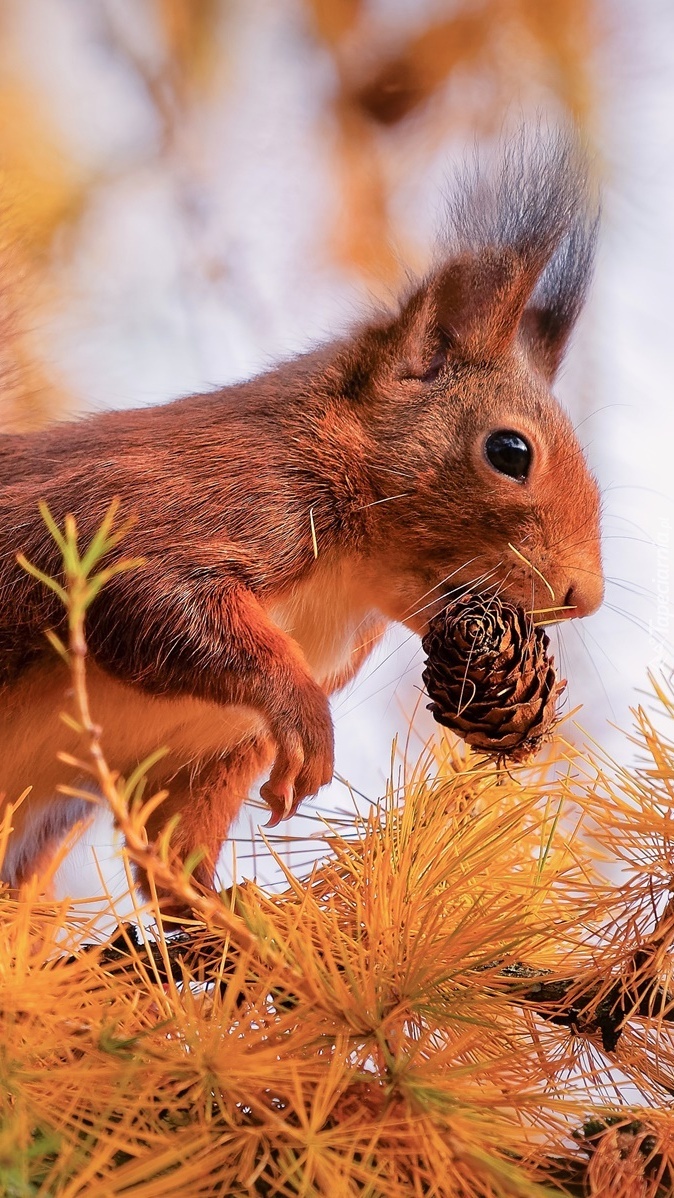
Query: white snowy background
{"x": 201, "y": 267}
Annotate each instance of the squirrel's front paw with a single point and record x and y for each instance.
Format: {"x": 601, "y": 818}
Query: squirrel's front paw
{"x": 304, "y": 759}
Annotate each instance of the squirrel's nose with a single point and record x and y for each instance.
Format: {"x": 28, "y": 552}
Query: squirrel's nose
{"x": 583, "y": 598}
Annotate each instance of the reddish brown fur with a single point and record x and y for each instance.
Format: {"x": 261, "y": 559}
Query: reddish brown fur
{"x": 231, "y": 637}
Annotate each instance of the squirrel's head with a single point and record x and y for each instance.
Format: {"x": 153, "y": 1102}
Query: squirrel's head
{"x": 480, "y": 481}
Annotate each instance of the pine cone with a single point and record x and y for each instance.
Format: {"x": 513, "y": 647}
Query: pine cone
{"x": 489, "y": 676}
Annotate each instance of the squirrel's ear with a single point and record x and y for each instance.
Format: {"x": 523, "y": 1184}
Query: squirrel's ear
{"x": 546, "y": 333}
{"x": 470, "y": 309}
{"x": 548, "y": 320}
{"x": 519, "y": 247}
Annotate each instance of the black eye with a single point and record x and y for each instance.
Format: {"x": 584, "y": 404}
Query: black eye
{"x": 508, "y": 453}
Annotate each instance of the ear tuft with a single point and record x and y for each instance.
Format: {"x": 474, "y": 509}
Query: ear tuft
{"x": 517, "y": 254}
{"x": 548, "y": 320}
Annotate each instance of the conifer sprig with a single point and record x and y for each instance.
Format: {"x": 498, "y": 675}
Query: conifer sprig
{"x": 454, "y": 1003}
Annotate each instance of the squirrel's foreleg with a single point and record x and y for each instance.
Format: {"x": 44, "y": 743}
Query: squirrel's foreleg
{"x": 174, "y": 634}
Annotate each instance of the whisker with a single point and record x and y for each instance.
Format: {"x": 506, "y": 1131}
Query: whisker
{"x": 534, "y": 569}
{"x": 638, "y": 487}
{"x": 617, "y": 536}
{"x": 595, "y": 668}
{"x": 406, "y": 641}
{"x": 626, "y": 520}
{"x": 595, "y": 412}
{"x": 339, "y": 706}
{"x": 411, "y": 665}
{"x": 462, "y": 590}
{"x": 478, "y": 580}
{"x": 585, "y": 632}
{"x": 573, "y": 535}
{"x": 632, "y": 588}
{"x": 373, "y": 694}
{"x": 638, "y": 623}
{"x": 445, "y": 579}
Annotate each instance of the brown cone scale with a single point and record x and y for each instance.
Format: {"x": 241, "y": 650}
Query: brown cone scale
{"x": 489, "y": 677}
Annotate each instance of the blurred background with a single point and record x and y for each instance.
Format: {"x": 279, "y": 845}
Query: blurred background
{"x": 194, "y": 189}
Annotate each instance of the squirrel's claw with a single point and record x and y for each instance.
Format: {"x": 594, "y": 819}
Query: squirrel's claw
{"x": 282, "y": 805}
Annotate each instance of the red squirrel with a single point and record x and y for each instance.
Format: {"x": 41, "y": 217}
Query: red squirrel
{"x": 287, "y": 520}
